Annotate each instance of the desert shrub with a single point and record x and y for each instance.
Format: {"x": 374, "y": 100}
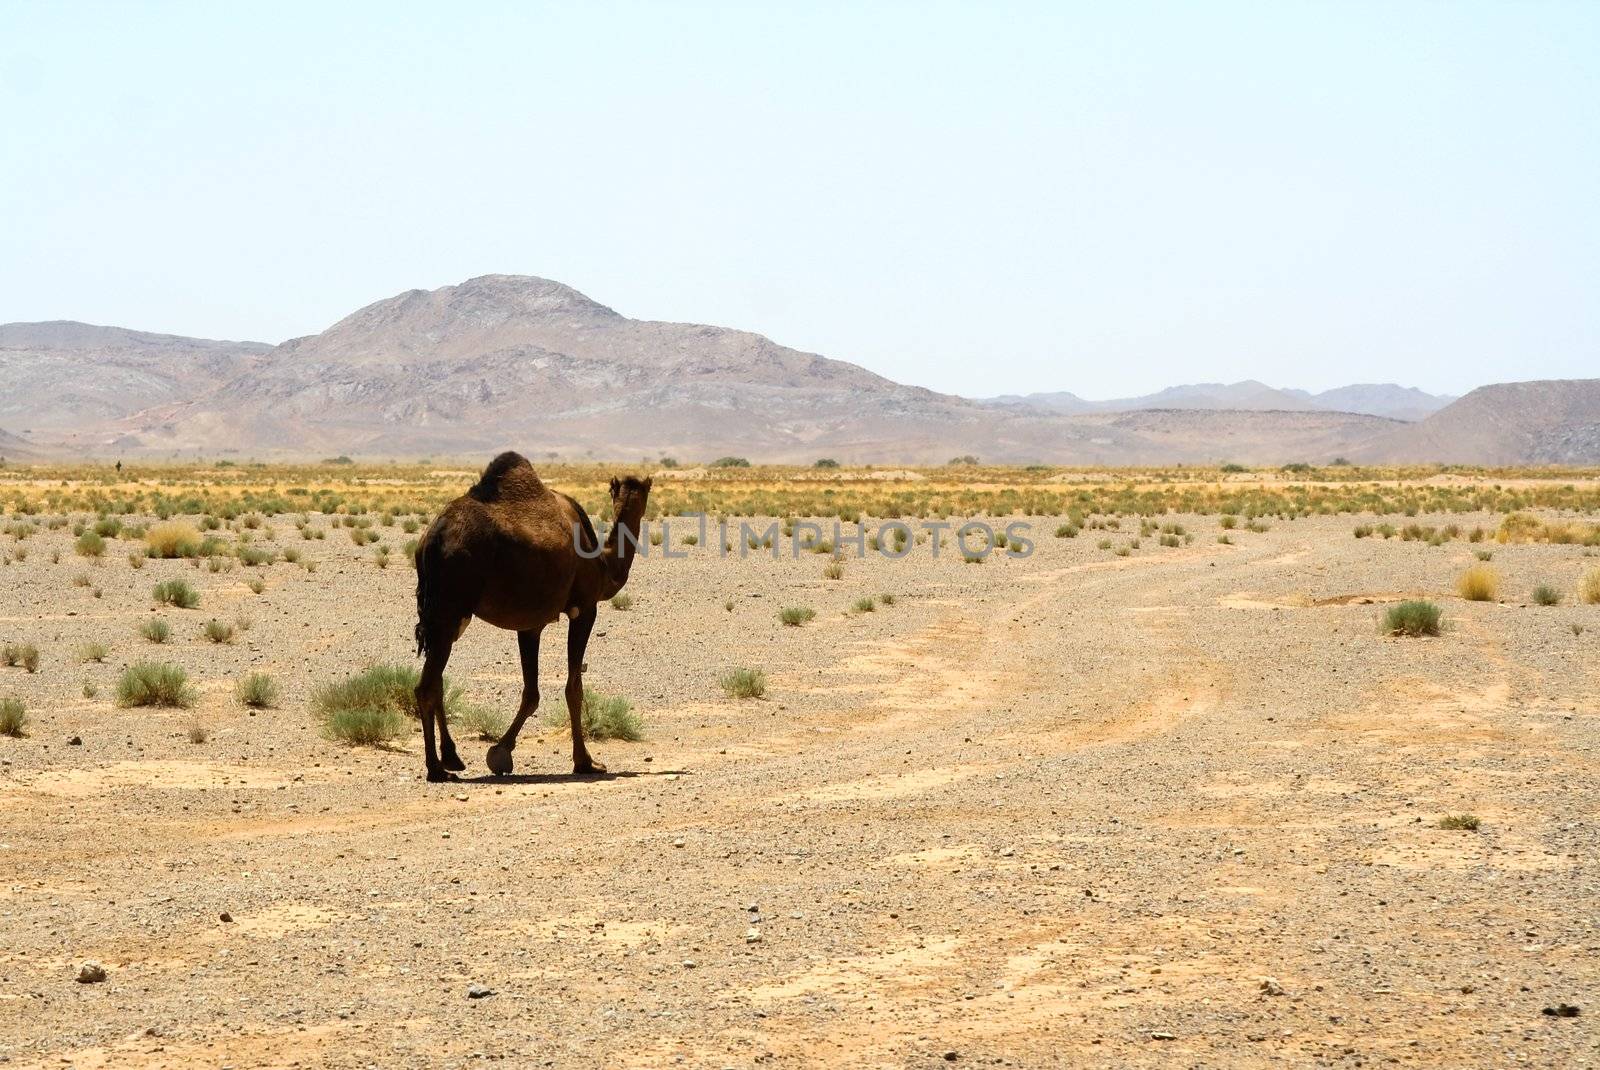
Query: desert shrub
{"x": 1478, "y": 584}
{"x": 291, "y": 555}
{"x": 603, "y": 716}
{"x": 175, "y": 593}
{"x": 1067, "y": 531}
{"x": 1413, "y": 618}
{"x": 485, "y": 724}
{"x": 825, "y": 462}
{"x": 257, "y": 586}
{"x": 833, "y": 570}
{"x": 886, "y": 599}
{"x": 25, "y": 655}
{"x": 1546, "y": 595}
{"x": 257, "y": 690}
{"x": 254, "y": 555}
{"x": 198, "y": 733}
{"x": 794, "y": 616}
{"x": 730, "y": 462}
{"x": 380, "y": 557}
{"x": 93, "y": 652}
{"x": 90, "y": 689}
{"x": 865, "y": 605}
{"x": 1589, "y": 587}
{"x": 172, "y": 539}
{"x": 219, "y": 631}
{"x": 623, "y": 601}
{"x": 744, "y": 683}
{"x": 1229, "y": 521}
{"x": 136, "y": 561}
{"x": 90, "y": 544}
{"x": 363, "y": 725}
{"x": 372, "y": 706}
{"x": 1460, "y": 822}
{"x": 1103, "y": 544}
{"x": 1483, "y": 555}
{"x": 154, "y": 683}
{"x": 156, "y": 630}
{"x": 13, "y": 717}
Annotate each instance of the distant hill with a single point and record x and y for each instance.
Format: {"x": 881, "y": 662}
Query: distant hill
{"x": 64, "y": 376}
{"x": 1372, "y": 399}
{"x": 1382, "y": 399}
{"x": 1549, "y": 421}
{"x": 515, "y": 361}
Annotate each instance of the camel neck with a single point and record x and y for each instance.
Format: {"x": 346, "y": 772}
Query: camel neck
{"x": 621, "y": 542}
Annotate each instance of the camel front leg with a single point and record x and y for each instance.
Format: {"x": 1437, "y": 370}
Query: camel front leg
{"x": 578, "y": 642}
{"x": 499, "y": 756}
{"x": 430, "y": 709}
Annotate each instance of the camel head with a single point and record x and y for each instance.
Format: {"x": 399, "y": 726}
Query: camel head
{"x": 628, "y": 496}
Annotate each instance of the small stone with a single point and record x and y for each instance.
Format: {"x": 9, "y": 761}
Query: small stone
{"x": 1560, "y": 1010}
{"x": 1270, "y": 986}
{"x": 479, "y": 992}
{"x": 1162, "y": 1035}
{"x": 225, "y": 917}
{"x": 91, "y": 973}
{"x": 75, "y": 741}
{"x": 678, "y": 842}
{"x": 689, "y": 964}
{"x": 462, "y": 797}
{"x": 752, "y": 935}
{"x": 951, "y": 1056}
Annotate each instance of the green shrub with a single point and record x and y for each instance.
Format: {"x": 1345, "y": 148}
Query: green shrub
{"x": 1546, "y": 595}
{"x": 886, "y": 599}
{"x": 363, "y": 726}
{"x": 254, "y": 555}
{"x": 258, "y": 691}
{"x": 745, "y": 683}
{"x": 24, "y": 654}
{"x": 603, "y": 716}
{"x": 485, "y": 724}
{"x": 794, "y": 616}
{"x": 1460, "y": 822}
{"x": 90, "y": 544}
{"x": 175, "y": 593}
{"x": 1413, "y": 618}
{"x": 219, "y": 631}
{"x": 93, "y": 652}
{"x": 865, "y": 605}
{"x": 152, "y": 683}
{"x": 622, "y": 601}
{"x": 156, "y": 630}
{"x": 730, "y": 462}
{"x": 833, "y": 570}
{"x": 372, "y": 706}
{"x": 13, "y": 717}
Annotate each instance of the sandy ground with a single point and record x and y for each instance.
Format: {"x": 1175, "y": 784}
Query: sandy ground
{"x": 1178, "y": 809}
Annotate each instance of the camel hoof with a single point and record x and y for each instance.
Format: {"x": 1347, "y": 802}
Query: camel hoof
{"x": 440, "y": 776}
{"x": 454, "y": 763}
{"x": 498, "y": 760}
{"x": 591, "y": 768}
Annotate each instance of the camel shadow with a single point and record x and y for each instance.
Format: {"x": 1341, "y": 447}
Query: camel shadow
{"x": 566, "y": 778}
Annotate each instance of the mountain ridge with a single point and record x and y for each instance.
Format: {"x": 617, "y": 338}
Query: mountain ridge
{"x": 503, "y": 361}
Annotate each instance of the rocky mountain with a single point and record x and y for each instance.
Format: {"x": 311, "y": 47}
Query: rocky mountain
{"x": 1549, "y": 421}
{"x": 65, "y": 376}
{"x": 512, "y": 361}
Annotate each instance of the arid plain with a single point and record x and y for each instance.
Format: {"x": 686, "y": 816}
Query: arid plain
{"x": 1158, "y": 792}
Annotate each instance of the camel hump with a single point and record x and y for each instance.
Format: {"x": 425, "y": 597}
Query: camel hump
{"x": 508, "y": 476}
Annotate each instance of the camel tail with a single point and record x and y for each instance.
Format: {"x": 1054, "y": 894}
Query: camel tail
{"x": 427, "y": 560}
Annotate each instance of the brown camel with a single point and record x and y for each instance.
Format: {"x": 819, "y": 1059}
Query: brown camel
{"x": 517, "y": 554}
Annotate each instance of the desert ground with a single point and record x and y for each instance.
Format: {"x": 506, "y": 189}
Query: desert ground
{"x": 1100, "y": 805}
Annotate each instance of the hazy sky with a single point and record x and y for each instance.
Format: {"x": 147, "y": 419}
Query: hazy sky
{"x": 1098, "y": 197}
